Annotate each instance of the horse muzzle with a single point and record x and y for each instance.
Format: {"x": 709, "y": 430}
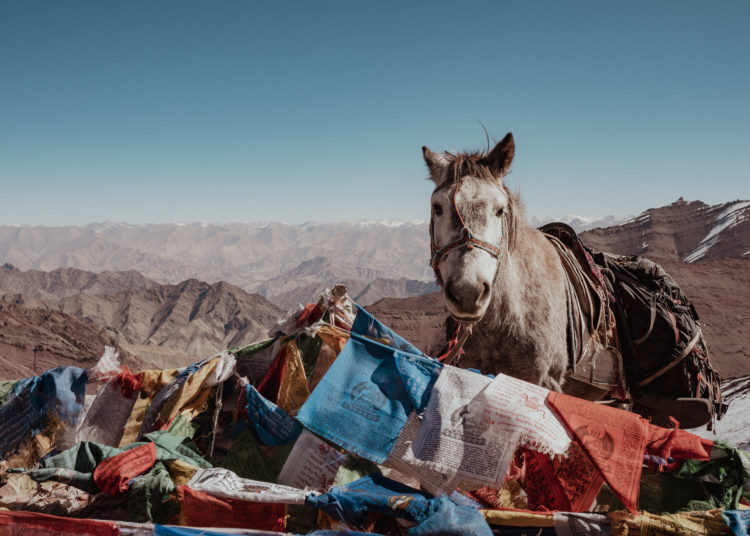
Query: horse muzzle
{"x": 467, "y": 298}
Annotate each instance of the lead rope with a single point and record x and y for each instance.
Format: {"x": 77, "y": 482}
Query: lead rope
{"x": 467, "y": 328}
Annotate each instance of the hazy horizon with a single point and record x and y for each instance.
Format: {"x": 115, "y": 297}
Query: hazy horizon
{"x": 532, "y": 218}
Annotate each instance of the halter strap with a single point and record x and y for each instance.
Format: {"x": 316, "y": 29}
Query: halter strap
{"x": 467, "y": 240}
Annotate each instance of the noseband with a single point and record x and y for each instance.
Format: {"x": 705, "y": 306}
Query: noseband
{"x": 467, "y": 240}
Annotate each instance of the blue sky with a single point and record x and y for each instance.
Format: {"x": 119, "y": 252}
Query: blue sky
{"x": 296, "y": 111}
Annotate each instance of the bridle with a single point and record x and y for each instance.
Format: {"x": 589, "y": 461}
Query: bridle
{"x": 467, "y": 240}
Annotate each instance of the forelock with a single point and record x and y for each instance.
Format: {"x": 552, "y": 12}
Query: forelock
{"x": 466, "y": 164}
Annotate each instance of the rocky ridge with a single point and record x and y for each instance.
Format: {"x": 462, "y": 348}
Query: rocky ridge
{"x": 165, "y": 325}
{"x": 33, "y": 340}
{"x": 683, "y": 231}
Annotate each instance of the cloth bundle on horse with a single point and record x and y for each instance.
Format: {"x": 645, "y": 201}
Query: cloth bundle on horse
{"x": 537, "y": 305}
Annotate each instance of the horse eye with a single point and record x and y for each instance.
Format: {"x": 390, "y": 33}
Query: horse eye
{"x": 500, "y": 212}
{"x": 437, "y": 210}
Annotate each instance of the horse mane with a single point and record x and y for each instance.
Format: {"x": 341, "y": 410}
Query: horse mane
{"x": 475, "y": 164}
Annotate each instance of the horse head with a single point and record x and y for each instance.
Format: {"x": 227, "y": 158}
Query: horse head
{"x": 472, "y": 225}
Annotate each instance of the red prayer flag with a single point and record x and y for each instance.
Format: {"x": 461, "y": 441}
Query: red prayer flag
{"x": 18, "y": 523}
{"x": 309, "y": 315}
{"x": 567, "y": 483}
{"x": 677, "y": 444}
{"x": 614, "y": 440}
{"x": 199, "y": 509}
{"x": 271, "y": 383}
{"x": 113, "y": 474}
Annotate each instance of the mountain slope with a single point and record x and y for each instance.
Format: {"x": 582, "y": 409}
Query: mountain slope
{"x": 420, "y": 319}
{"x": 64, "y": 282}
{"x": 382, "y": 288}
{"x": 192, "y": 317}
{"x": 189, "y": 320}
{"x": 720, "y": 291}
{"x": 682, "y": 231}
{"x": 33, "y": 340}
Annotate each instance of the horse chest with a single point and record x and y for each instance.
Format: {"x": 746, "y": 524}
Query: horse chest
{"x": 514, "y": 356}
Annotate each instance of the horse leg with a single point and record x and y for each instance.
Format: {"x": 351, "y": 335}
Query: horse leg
{"x": 548, "y": 382}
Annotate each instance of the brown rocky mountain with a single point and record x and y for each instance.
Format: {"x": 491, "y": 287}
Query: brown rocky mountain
{"x": 419, "y": 319}
{"x": 63, "y": 282}
{"x": 683, "y": 231}
{"x": 720, "y": 291}
{"x": 373, "y": 291}
{"x": 164, "y": 325}
{"x": 33, "y": 340}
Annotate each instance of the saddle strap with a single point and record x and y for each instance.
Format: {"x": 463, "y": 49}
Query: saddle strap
{"x": 674, "y": 362}
{"x": 582, "y": 283}
{"x": 641, "y": 340}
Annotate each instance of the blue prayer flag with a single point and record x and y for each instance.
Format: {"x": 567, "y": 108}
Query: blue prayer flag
{"x": 361, "y": 403}
{"x": 367, "y": 325}
{"x": 273, "y": 425}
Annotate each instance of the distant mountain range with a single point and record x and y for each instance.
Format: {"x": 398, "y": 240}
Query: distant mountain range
{"x": 280, "y": 261}
{"x": 142, "y": 286}
{"x": 285, "y": 263}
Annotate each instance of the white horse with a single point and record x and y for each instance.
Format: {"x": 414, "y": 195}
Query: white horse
{"x": 498, "y": 274}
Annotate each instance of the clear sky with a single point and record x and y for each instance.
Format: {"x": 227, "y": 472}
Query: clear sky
{"x": 159, "y": 111}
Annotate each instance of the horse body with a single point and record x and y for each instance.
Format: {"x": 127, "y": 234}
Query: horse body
{"x": 497, "y": 272}
{"x": 523, "y": 331}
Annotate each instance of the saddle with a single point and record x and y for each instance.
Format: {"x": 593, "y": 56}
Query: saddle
{"x": 644, "y": 341}
{"x": 594, "y": 357}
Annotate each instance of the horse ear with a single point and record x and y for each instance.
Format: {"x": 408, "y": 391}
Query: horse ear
{"x": 436, "y": 163}
{"x": 500, "y": 158}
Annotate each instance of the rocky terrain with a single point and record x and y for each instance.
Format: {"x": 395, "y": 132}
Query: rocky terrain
{"x": 33, "y": 340}
{"x": 720, "y": 291}
{"x": 164, "y": 325}
{"x": 420, "y": 319}
{"x": 63, "y": 282}
{"x": 683, "y": 231}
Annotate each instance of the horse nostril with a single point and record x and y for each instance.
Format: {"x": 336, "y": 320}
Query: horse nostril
{"x": 449, "y": 292}
{"x": 485, "y": 292}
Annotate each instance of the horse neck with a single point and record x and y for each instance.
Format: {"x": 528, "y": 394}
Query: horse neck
{"x": 527, "y": 280}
